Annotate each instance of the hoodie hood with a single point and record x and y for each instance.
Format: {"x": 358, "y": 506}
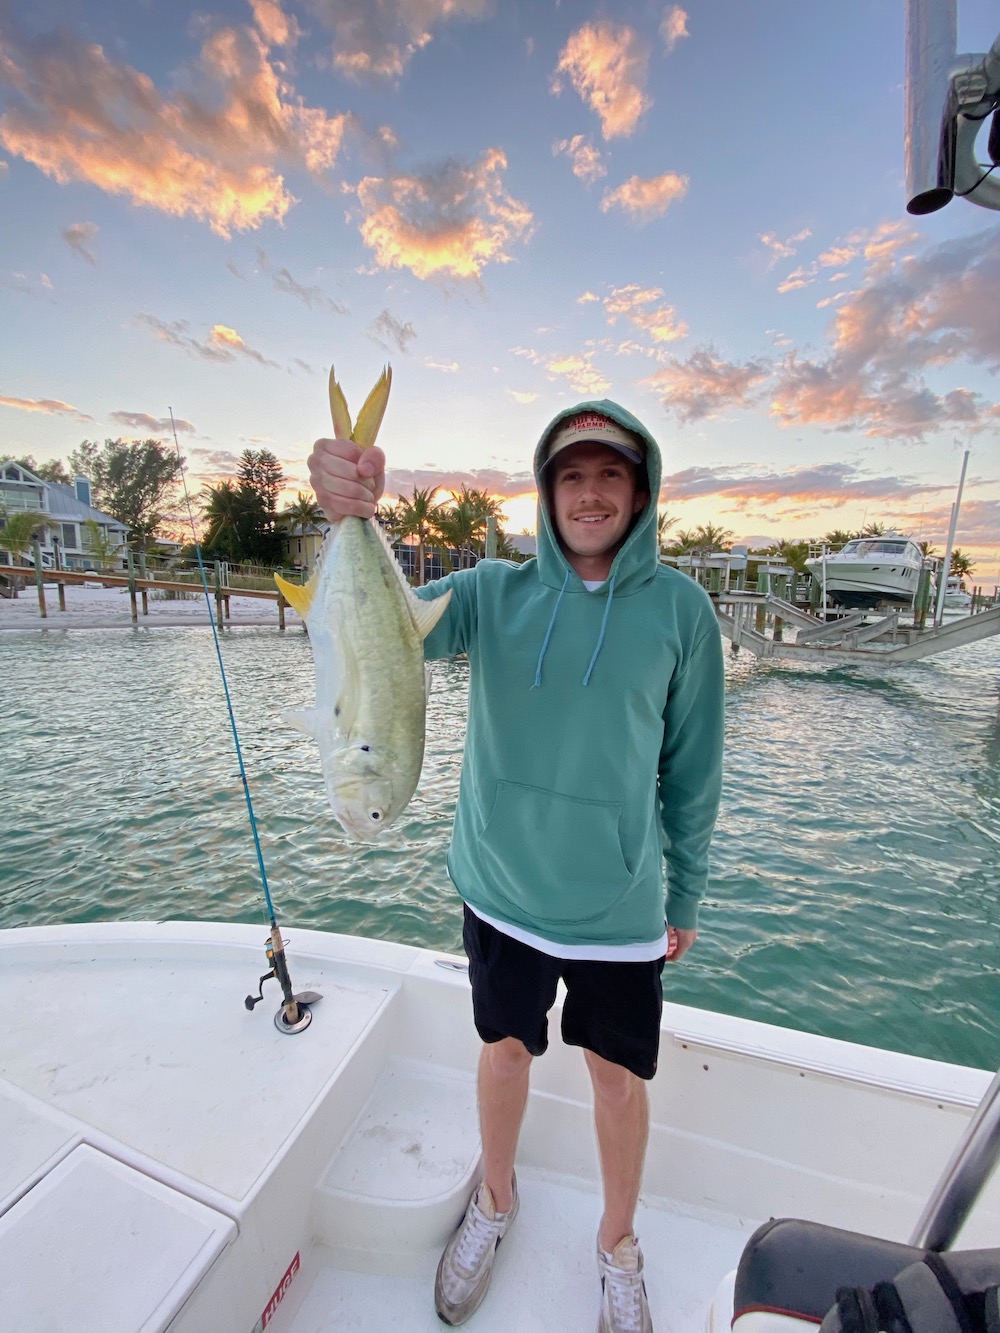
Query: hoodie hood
{"x": 637, "y": 561}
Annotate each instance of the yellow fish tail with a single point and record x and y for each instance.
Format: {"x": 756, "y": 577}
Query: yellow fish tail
{"x": 339, "y": 410}
{"x": 297, "y": 595}
{"x": 370, "y": 416}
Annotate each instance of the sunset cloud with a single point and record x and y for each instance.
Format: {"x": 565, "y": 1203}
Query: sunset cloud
{"x": 608, "y": 66}
{"x": 312, "y": 296}
{"x": 505, "y": 485}
{"x": 646, "y": 199}
{"x": 673, "y": 27}
{"x": 143, "y": 423}
{"x": 642, "y": 307}
{"x": 78, "y": 238}
{"x": 448, "y": 223}
{"x": 386, "y": 329}
{"x": 213, "y": 152}
{"x": 584, "y": 158}
{"x": 913, "y": 316}
{"x": 830, "y": 485}
{"x": 705, "y": 384}
{"x": 48, "y": 406}
{"x": 221, "y": 344}
{"x": 378, "y": 40}
{"x": 782, "y": 249}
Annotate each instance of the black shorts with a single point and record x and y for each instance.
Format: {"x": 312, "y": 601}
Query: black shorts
{"x": 612, "y": 1009}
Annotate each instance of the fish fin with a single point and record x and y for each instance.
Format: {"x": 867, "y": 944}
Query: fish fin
{"x": 297, "y": 595}
{"x": 426, "y": 614}
{"x": 370, "y": 416}
{"x": 309, "y": 721}
{"x": 338, "y": 407}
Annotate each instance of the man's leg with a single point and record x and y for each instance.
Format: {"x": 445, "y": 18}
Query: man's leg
{"x": 504, "y": 1070}
{"x": 621, "y": 1118}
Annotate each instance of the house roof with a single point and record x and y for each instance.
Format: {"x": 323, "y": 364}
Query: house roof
{"x": 58, "y": 500}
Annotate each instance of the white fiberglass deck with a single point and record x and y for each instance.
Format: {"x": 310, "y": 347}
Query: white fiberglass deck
{"x": 332, "y": 1165}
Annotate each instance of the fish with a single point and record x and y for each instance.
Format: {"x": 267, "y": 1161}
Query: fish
{"x": 366, "y": 627}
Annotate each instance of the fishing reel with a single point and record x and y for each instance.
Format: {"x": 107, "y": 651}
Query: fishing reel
{"x": 295, "y": 1014}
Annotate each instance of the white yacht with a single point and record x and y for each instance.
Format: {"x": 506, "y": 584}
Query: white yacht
{"x": 173, "y": 1162}
{"x": 869, "y": 572}
{"x": 955, "y": 596}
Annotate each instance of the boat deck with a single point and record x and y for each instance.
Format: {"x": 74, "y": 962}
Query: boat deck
{"x": 174, "y": 1162}
{"x": 545, "y": 1278}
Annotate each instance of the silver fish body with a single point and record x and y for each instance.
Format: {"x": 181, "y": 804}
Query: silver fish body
{"x": 366, "y": 628}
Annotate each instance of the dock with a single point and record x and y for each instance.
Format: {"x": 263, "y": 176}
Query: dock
{"x": 139, "y": 588}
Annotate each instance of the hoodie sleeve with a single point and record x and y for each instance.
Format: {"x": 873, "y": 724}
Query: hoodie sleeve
{"x": 690, "y": 777}
{"x": 454, "y": 631}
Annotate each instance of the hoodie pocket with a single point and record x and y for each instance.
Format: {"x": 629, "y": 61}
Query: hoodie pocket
{"x": 557, "y": 859}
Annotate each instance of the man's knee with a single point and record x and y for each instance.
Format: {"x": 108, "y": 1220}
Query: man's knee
{"x": 507, "y": 1058}
{"x": 613, "y": 1083}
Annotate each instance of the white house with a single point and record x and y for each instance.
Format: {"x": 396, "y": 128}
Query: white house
{"x": 64, "y": 539}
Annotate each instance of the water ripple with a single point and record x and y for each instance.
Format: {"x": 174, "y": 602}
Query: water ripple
{"x": 855, "y": 888}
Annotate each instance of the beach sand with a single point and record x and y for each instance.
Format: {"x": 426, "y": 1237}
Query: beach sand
{"x": 109, "y": 608}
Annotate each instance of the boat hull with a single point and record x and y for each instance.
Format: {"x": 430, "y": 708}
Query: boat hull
{"x": 322, "y": 1172}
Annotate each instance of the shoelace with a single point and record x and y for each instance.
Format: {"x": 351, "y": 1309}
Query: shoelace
{"x": 625, "y": 1294}
{"x": 478, "y": 1234}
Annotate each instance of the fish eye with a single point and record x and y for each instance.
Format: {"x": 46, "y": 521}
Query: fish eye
{"x": 376, "y": 815}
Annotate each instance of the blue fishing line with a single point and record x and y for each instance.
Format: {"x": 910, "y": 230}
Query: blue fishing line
{"x": 225, "y": 682}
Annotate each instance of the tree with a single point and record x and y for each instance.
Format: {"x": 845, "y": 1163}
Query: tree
{"x": 838, "y": 537}
{"x": 872, "y": 530}
{"x": 132, "y": 480}
{"x": 97, "y": 544}
{"x": 261, "y": 472}
{"x": 419, "y": 517}
{"x": 17, "y": 531}
{"x": 961, "y": 564}
{"x": 304, "y": 513}
{"x": 664, "y": 522}
{"x": 714, "y": 537}
{"x": 238, "y": 527}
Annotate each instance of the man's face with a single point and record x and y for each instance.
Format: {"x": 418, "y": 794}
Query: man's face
{"x": 594, "y": 499}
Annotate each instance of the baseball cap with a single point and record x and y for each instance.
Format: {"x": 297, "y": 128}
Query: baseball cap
{"x": 595, "y": 428}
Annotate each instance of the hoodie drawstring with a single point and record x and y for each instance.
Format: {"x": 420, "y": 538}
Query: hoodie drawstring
{"x": 548, "y": 634}
{"x": 552, "y": 624}
{"x": 600, "y": 637}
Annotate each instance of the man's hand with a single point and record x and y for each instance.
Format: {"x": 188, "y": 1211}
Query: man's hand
{"x": 678, "y": 943}
{"x": 346, "y": 479}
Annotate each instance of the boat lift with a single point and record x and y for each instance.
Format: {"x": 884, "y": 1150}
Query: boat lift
{"x": 745, "y": 617}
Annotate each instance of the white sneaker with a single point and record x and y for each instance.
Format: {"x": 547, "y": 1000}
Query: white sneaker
{"x": 624, "y": 1308}
{"x": 463, "y": 1275}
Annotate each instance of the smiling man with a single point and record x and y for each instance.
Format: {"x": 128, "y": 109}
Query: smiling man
{"x": 589, "y": 792}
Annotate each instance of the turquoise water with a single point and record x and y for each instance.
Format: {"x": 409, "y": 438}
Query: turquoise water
{"x": 855, "y": 890}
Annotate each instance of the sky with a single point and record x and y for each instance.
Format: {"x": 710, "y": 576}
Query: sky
{"x": 696, "y": 210}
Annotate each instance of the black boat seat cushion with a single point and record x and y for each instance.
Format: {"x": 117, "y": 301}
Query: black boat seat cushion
{"x": 795, "y": 1271}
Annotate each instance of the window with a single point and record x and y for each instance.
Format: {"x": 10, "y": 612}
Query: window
{"x": 69, "y": 534}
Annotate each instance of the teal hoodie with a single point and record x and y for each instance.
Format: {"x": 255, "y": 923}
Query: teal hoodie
{"x": 593, "y": 754}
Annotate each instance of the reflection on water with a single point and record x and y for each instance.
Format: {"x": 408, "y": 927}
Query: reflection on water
{"x": 855, "y": 880}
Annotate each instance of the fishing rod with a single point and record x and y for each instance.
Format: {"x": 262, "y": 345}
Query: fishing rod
{"x": 295, "y": 1014}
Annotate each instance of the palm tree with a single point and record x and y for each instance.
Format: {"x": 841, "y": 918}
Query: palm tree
{"x": 17, "y": 532}
{"x": 304, "y": 513}
{"x": 838, "y": 537}
{"x": 961, "y": 564}
{"x": 872, "y": 530}
{"x": 714, "y": 537}
{"x": 664, "y": 522}
{"x": 419, "y": 517}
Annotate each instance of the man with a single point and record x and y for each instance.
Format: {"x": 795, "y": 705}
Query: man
{"x": 593, "y": 755}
